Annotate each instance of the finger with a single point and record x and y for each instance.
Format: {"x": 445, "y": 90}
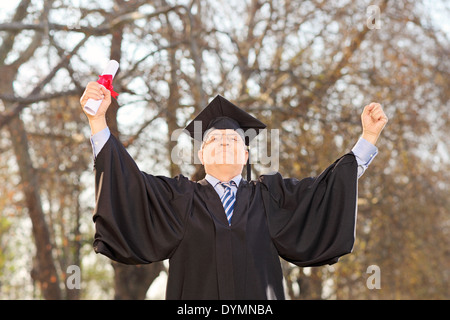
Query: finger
{"x": 377, "y": 109}
{"x": 383, "y": 117}
{"x": 93, "y": 94}
{"x": 95, "y": 90}
{"x": 370, "y": 107}
{"x": 367, "y": 109}
{"x": 379, "y": 115}
{"x": 106, "y": 93}
{"x": 376, "y": 112}
{"x": 376, "y": 106}
{"x": 93, "y": 85}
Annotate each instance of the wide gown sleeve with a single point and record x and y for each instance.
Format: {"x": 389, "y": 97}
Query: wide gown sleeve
{"x": 312, "y": 221}
{"x": 139, "y": 218}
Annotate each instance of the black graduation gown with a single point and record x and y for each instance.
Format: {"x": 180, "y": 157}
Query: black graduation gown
{"x": 141, "y": 218}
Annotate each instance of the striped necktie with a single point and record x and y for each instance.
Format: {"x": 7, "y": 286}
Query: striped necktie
{"x": 228, "y": 199}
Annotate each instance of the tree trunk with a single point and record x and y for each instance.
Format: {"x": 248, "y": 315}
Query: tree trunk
{"x": 46, "y": 274}
{"x": 132, "y": 282}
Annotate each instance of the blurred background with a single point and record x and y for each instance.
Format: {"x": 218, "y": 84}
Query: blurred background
{"x": 305, "y": 68}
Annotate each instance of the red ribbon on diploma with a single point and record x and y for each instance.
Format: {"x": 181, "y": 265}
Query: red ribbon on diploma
{"x": 106, "y": 81}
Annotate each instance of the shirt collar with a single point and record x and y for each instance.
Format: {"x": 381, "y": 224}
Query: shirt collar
{"x": 214, "y": 181}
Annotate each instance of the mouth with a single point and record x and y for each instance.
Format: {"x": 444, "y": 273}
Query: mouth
{"x": 224, "y": 150}
{"x": 225, "y": 156}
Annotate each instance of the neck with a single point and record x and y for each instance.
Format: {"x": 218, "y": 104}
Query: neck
{"x": 224, "y": 173}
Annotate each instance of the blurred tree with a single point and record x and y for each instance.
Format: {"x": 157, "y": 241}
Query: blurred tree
{"x": 46, "y": 273}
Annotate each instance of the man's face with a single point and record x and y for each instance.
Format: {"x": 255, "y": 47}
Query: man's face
{"x": 223, "y": 147}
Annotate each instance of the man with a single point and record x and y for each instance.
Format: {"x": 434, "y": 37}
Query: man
{"x": 224, "y": 235}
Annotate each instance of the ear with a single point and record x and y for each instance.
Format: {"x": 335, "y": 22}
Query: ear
{"x": 245, "y": 157}
{"x": 200, "y": 155}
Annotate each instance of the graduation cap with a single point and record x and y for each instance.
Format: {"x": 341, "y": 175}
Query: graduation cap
{"x": 222, "y": 114}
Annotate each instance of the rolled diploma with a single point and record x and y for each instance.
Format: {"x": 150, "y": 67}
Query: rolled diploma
{"x": 92, "y": 105}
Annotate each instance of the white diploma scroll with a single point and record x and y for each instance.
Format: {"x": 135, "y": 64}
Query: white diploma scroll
{"x": 92, "y": 105}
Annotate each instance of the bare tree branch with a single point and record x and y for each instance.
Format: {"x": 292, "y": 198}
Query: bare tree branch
{"x": 42, "y": 27}
{"x": 37, "y": 98}
{"x": 8, "y": 40}
{"x": 18, "y": 107}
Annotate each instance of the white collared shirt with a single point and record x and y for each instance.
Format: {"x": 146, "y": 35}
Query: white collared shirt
{"x": 219, "y": 188}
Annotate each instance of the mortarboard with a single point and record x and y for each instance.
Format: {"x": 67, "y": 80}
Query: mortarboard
{"x": 222, "y": 114}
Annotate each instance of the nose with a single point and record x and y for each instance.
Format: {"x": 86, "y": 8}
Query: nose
{"x": 225, "y": 141}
